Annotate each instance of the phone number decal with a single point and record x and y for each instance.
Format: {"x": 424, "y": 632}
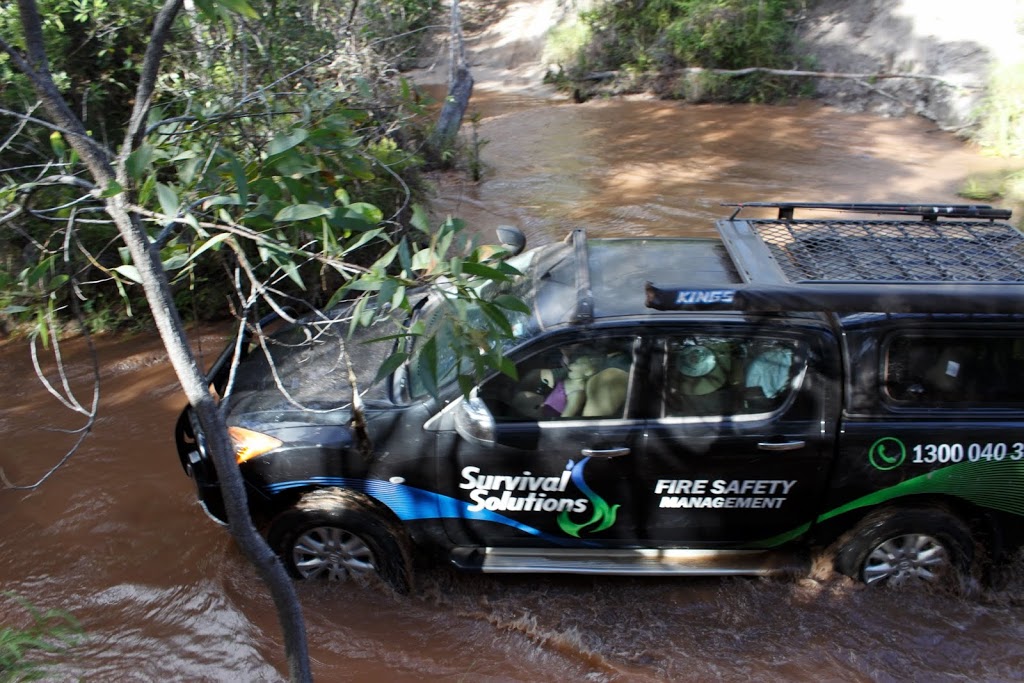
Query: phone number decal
{"x": 889, "y": 453}
{"x": 956, "y": 452}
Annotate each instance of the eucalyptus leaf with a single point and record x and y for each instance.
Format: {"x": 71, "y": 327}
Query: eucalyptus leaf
{"x": 286, "y": 141}
{"x": 129, "y": 271}
{"x": 168, "y": 199}
{"x": 112, "y": 189}
{"x": 392, "y": 363}
{"x": 239, "y": 7}
{"x": 301, "y": 212}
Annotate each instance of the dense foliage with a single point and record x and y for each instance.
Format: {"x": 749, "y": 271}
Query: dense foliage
{"x": 656, "y": 39}
{"x": 286, "y": 118}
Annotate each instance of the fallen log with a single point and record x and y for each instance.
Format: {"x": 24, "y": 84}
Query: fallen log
{"x": 863, "y": 78}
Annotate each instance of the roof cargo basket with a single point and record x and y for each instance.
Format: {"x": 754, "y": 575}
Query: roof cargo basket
{"x": 930, "y": 212}
{"x": 965, "y": 263}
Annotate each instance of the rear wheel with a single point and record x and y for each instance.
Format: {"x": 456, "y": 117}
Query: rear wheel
{"x": 907, "y": 547}
{"x": 336, "y": 535}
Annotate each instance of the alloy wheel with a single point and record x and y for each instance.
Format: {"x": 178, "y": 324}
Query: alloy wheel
{"x": 332, "y": 553}
{"x": 907, "y": 557}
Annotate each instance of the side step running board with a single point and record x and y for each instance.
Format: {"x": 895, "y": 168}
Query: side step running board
{"x": 638, "y": 561}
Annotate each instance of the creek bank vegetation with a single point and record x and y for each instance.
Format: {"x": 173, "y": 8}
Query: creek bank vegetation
{"x": 26, "y": 651}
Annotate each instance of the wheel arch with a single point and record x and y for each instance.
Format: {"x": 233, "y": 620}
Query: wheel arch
{"x": 329, "y": 503}
{"x": 983, "y": 523}
{"x": 958, "y": 524}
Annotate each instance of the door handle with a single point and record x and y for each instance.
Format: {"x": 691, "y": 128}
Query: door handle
{"x": 604, "y": 453}
{"x": 776, "y": 446}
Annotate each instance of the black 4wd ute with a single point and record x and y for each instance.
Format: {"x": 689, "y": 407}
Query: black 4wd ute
{"x": 682, "y": 406}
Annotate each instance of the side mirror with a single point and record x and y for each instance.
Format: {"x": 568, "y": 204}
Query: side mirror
{"x": 512, "y": 238}
{"x": 474, "y": 422}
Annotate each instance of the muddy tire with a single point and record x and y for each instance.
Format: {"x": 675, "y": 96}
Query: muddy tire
{"x": 908, "y": 547}
{"x": 338, "y": 535}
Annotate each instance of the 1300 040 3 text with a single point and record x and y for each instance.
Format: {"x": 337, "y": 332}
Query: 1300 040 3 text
{"x": 945, "y": 453}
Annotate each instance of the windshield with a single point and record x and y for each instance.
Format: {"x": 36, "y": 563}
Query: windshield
{"x": 436, "y": 309}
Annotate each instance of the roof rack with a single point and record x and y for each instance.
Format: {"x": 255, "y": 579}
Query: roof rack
{"x": 930, "y": 266}
{"x": 584, "y": 292}
{"x": 930, "y": 212}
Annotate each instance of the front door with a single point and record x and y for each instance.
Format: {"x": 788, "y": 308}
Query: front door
{"x": 560, "y": 472}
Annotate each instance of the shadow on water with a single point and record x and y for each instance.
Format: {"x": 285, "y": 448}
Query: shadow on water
{"x": 116, "y": 538}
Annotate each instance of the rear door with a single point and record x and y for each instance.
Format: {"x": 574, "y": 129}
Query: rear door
{"x": 938, "y": 410}
{"x": 738, "y": 447}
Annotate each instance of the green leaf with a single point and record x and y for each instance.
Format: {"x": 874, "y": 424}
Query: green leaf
{"x": 130, "y": 272}
{"x": 390, "y": 365}
{"x": 301, "y": 212}
{"x": 420, "y": 220}
{"x": 239, "y": 7}
{"x": 357, "y": 314}
{"x": 480, "y": 270}
{"x": 211, "y": 243}
{"x": 507, "y": 367}
{"x": 356, "y": 217}
{"x": 241, "y": 181}
{"x": 398, "y": 297}
{"x": 365, "y": 211}
{"x": 336, "y": 297}
{"x": 176, "y": 261}
{"x": 363, "y": 238}
{"x": 168, "y": 199}
{"x": 112, "y": 189}
{"x": 220, "y": 200}
{"x": 286, "y": 141}
{"x": 512, "y": 303}
{"x": 139, "y": 161}
{"x": 146, "y": 191}
{"x": 40, "y": 271}
{"x": 42, "y": 328}
{"x": 386, "y": 292}
{"x": 497, "y": 317}
{"x": 423, "y": 260}
{"x": 386, "y": 260}
{"x": 426, "y": 366}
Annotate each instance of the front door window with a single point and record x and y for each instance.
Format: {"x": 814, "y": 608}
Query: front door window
{"x": 566, "y": 443}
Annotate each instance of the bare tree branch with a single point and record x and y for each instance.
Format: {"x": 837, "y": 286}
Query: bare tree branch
{"x": 148, "y": 75}
{"x": 25, "y": 118}
{"x": 69, "y": 401}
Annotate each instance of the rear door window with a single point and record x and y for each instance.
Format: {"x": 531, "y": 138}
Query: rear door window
{"x": 956, "y": 371}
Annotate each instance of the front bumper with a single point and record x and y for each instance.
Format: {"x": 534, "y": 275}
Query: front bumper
{"x": 188, "y": 437}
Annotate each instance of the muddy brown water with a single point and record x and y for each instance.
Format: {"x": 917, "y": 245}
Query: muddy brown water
{"x": 116, "y": 538}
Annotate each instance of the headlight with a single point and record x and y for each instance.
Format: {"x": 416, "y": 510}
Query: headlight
{"x": 250, "y": 444}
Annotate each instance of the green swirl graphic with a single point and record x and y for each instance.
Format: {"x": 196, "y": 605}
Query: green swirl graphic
{"x": 991, "y": 484}
{"x": 603, "y": 515}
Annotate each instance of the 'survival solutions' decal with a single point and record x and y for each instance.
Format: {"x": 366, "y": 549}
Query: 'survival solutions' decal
{"x": 490, "y": 495}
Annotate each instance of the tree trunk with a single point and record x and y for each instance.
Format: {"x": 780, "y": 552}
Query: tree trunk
{"x": 154, "y": 281}
{"x": 252, "y": 544}
{"x": 460, "y": 88}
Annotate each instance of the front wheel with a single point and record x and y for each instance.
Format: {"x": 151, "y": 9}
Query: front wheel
{"x": 336, "y": 535}
{"x": 906, "y": 547}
